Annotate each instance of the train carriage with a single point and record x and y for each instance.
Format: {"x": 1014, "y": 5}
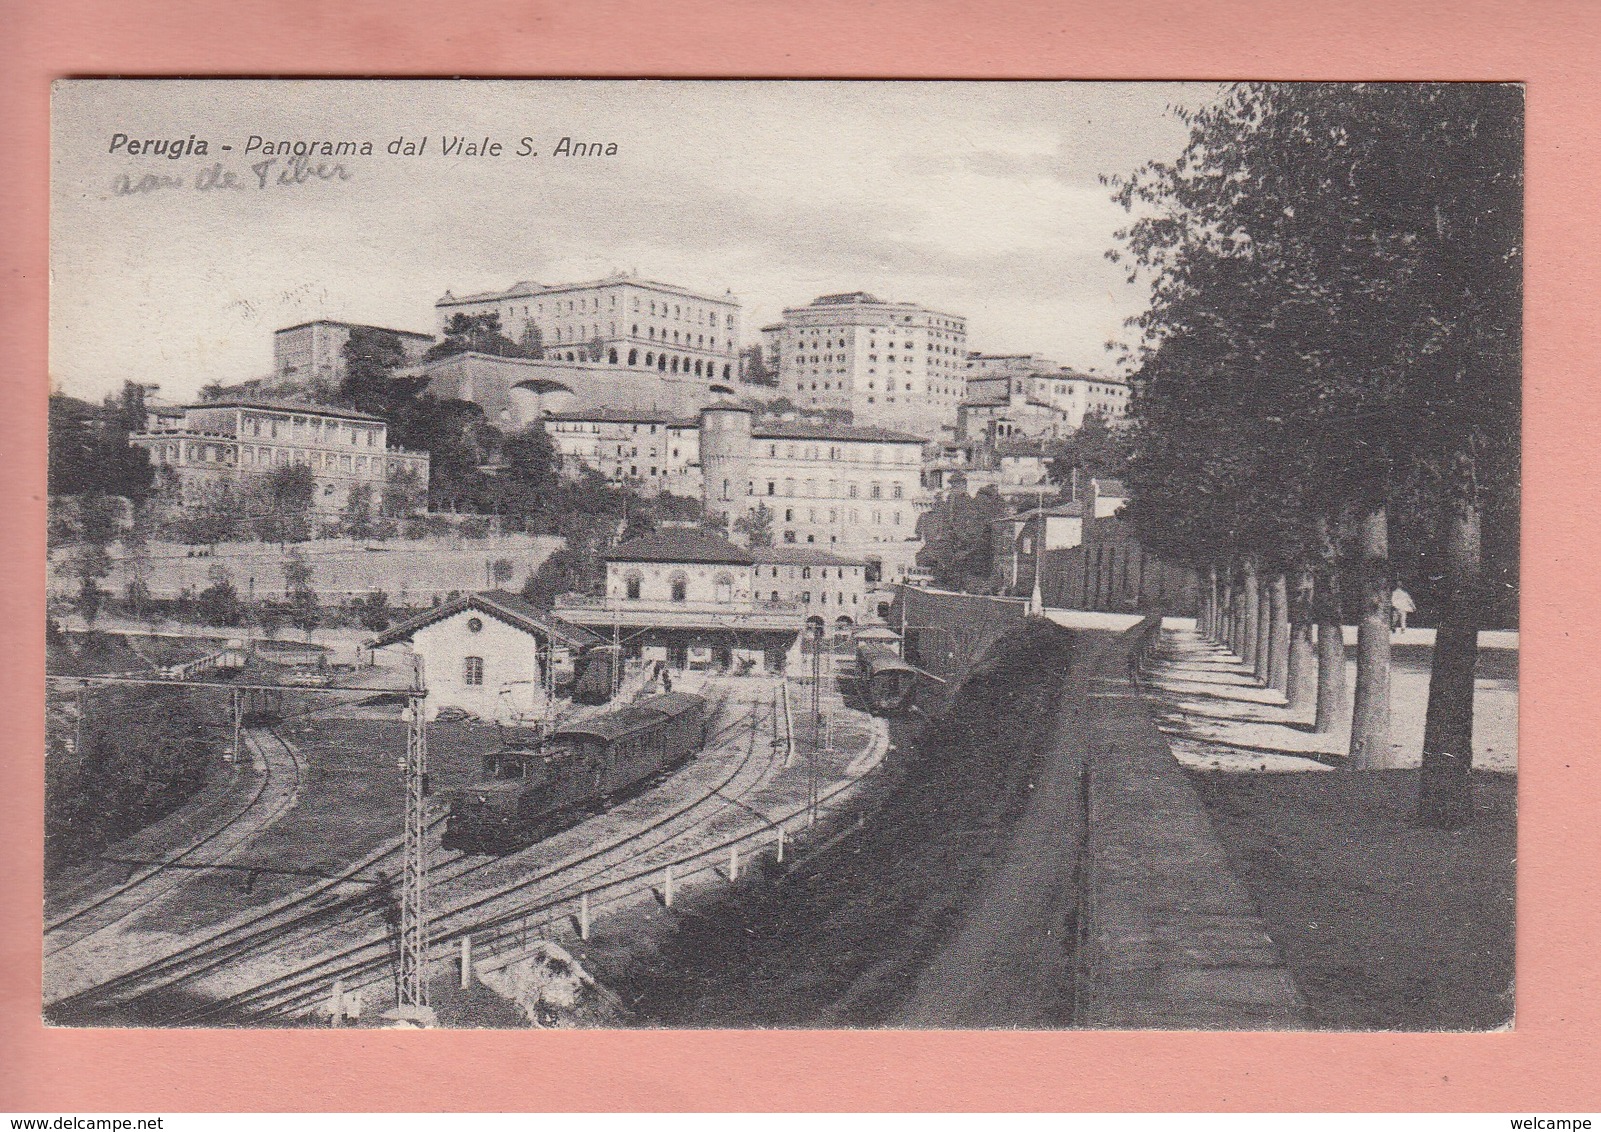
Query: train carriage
{"x": 886, "y": 681}
{"x": 529, "y": 793}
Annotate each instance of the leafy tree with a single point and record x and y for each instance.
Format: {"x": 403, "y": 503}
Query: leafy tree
{"x": 89, "y": 450}
{"x": 402, "y": 495}
{"x": 357, "y": 519}
{"x": 304, "y": 610}
{"x": 371, "y": 383}
{"x": 532, "y": 343}
{"x": 282, "y": 504}
{"x": 213, "y": 515}
{"x": 754, "y": 370}
{"x": 373, "y": 611}
{"x": 218, "y": 603}
{"x": 569, "y": 569}
{"x": 756, "y": 526}
{"x": 1094, "y": 449}
{"x": 957, "y": 539}
{"x": 1335, "y": 276}
{"x": 473, "y": 333}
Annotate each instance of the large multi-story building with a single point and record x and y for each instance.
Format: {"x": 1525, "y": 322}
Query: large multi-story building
{"x": 621, "y": 321}
{"x": 831, "y": 588}
{"x": 851, "y": 490}
{"x": 1037, "y": 402}
{"x": 895, "y": 365}
{"x": 241, "y": 442}
{"x": 651, "y": 452}
{"x": 315, "y": 351}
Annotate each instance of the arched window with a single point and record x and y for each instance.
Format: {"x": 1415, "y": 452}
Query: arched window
{"x": 473, "y": 672}
{"x": 633, "y": 357}
{"x": 697, "y": 367}
{"x": 725, "y": 372}
{"x": 650, "y": 359}
{"x": 661, "y": 364}
{"x": 680, "y": 587}
{"x": 611, "y": 356}
{"x": 675, "y": 365}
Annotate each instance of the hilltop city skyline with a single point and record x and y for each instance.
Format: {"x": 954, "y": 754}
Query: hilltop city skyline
{"x": 982, "y": 200}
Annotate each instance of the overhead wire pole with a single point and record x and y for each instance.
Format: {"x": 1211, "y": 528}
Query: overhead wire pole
{"x": 817, "y": 722}
{"x": 414, "y": 885}
{"x": 413, "y": 985}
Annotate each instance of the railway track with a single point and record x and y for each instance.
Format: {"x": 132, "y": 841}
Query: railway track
{"x": 508, "y": 931}
{"x": 75, "y": 943}
{"x": 316, "y": 909}
{"x": 364, "y": 955}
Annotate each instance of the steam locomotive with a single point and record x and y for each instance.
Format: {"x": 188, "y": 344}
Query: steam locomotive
{"x": 530, "y": 793}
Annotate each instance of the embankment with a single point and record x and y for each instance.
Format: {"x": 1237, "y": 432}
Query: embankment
{"x": 841, "y": 934}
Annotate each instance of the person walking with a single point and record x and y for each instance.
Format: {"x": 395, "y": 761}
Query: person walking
{"x": 1400, "y": 606}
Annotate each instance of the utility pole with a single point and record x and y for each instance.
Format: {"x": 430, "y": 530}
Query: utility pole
{"x": 616, "y": 647}
{"x": 817, "y": 720}
{"x": 414, "y": 887}
{"x": 1036, "y": 601}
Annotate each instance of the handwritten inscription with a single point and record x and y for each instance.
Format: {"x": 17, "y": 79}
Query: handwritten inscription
{"x": 269, "y": 173}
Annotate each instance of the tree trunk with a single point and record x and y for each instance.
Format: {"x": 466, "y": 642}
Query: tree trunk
{"x": 1225, "y": 634}
{"x": 1330, "y": 614}
{"x": 1237, "y": 644}
{"x": 1220, "y": 610}
{"x": 1264, "y": 627}
{"x": 1445, "y": 788}
{"x": 1253, "y": 612}
{"x": 1370, "y": 717}
{"x": 1300, "y": 675}
{"x": 1278, "y": 651}
{"x": 1209, "y": 604}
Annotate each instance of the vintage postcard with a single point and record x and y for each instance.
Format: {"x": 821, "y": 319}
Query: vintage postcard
{"x": 772, "y": 554}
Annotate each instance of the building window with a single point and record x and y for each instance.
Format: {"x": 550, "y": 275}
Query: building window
{"x": 680, "y": 587}
{"x": 474, "y": 670}
{"x": 632, "y": 585}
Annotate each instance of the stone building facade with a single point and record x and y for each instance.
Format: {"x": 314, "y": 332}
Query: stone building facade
{"x": 651, "y": 452}
{"x": 621, "y": 321}
{"x": 844, "y": 489}
{"x": 315, "y": 351}
{"x": 893, "y": 365}
{"x": 241, "y": 442}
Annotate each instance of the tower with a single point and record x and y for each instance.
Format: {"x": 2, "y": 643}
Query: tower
{"x": 725, "y": 453}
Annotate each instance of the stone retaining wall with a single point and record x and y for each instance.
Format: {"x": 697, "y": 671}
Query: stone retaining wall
{"x": 1167, "y": 936}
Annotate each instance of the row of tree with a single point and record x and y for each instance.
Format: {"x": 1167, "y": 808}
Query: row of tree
{"x": 1331, "y": 365}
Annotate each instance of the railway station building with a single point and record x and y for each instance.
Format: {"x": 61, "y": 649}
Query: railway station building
{"x": 491, "y": 654}
{"x": 689, "y": 600}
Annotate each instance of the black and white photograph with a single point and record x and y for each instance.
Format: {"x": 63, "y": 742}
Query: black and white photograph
{"x": 666, "y": 554}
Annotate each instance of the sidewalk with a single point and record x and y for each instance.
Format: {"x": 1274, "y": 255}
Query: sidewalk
{"x": 1217, "y": 717}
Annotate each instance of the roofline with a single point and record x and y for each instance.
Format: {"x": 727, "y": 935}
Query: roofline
{"x": 360, "y": 325}
{"x": 557, "y": 288}
{"x": 812, "y": 306}
{"x": 270, "y": 407}
{"x": 484, "y": 604}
